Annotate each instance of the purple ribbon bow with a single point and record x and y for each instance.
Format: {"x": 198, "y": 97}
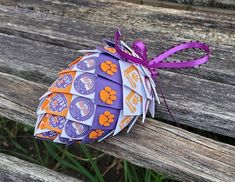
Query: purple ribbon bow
{"x": 158, "y": 62}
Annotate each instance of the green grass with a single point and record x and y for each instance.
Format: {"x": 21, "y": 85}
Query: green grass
{"x": 76, "y": 160}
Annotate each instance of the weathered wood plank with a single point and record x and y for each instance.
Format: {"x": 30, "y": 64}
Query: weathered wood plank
{"x": 212, "y": 6}
{"x": 158, "y": 26}
{"x": 14, "y": 169}
{"x": 226, "y": 4}
{"x": 155, "y": 145}
{"x": 194, "y": 102}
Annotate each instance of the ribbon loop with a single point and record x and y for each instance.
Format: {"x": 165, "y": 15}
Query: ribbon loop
{"x": 158, "y": 61}
{"x": 125, "y": 54}
{"x": 140, "y": 49}
{"x": 140, "y": 55}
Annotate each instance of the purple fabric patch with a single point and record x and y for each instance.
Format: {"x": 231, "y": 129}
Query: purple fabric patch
{"x": 65, "y": 140}
{"x": 81, "y": 108}
{"x": 109, "y": 43}
{"x": 85, "y": 83}
{"x": 58, "y": 103}
{"x": 104, "y": 60}
{"x": 116, "y": 55}
{"x": 105, "y": 89}
{"x": 87, "y": 64}
{"x": 49, "y": 134}
{"x": 57, "y": 121}
{"x": 76, "y": 130}
{"x": 63, "y": 81}
{"x": 106, "y": 118}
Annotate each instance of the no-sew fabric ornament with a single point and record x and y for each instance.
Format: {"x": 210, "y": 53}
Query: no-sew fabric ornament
{"x": 104, "y": 91}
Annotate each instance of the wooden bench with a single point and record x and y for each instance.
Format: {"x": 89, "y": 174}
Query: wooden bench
{"x": 13, "y": 169}
{"x": 37, "y": 39}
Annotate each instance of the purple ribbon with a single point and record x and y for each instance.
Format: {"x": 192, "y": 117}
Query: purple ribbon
{"x": 158, "y": 62}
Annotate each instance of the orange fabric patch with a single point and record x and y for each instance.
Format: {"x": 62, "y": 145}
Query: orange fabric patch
{"x": 45, "y": 103}
{"x": 132, "y": 74}
{"x": 107, "y": 95}
{"x": 125, "y": 122}
{"x": 70, "y": 65}
{"x": 75, "y": 61}
{"x": 45, "y": 124}
{"x": 106, "y": 118}
{"x": 132, "y": 100}
{"x": 110, "y": 49}
{"x": 63, "y": 78}
{"x": 40, "y": 135}
{"x": 56, "y": 102}
{"x": 108, "y": 67}
{"x": 95, "y": 134}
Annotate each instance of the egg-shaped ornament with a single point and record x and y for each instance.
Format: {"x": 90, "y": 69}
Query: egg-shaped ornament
{"x": 98, "y": 94}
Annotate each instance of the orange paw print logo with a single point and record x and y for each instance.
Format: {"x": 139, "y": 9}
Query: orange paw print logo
{"x": 106, "y": 118}
{"x": 95, "y": 134}
{"x": 108, "y": 95}
{"x": 108, "y": 67}
{"x": 110, "y": 49}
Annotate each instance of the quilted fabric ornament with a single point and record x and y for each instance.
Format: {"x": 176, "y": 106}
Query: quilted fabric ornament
{"x": 104, "y": 91}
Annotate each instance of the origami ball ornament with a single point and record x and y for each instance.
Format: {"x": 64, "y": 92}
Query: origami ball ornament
{"x": 102, "y": 92}
{"x": 98, "y": 95}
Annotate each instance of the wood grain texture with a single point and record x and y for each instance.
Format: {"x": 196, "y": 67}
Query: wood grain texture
{"x": 209, "y": 6}
{"x": 226, "y": 4}
{"x": 201, "y": 98}
{"x": 155, "y": 145}
{"x": 14, "y": 169}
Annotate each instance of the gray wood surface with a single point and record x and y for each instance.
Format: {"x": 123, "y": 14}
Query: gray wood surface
{"x": 226, "y": 4}
{"x": 13, "y": 169}
{"x": 215, "y": 6}
{"x": 201, "y": 98}
{"x": 39, "y": 39}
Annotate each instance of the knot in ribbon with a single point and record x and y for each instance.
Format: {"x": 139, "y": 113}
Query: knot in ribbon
{"x": 139, "y": 55}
